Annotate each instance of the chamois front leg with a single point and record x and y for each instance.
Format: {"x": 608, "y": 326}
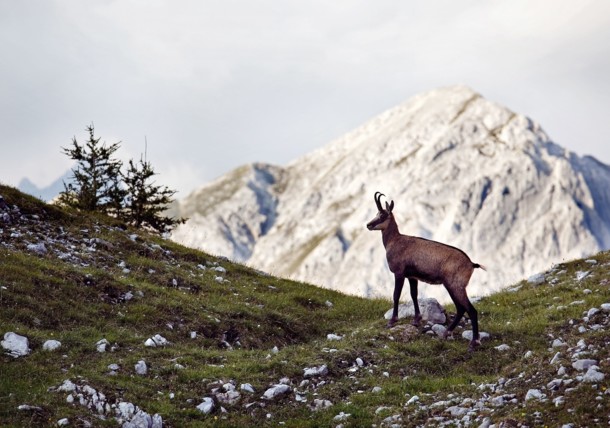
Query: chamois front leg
{"x": 417, "y": 317}
{"x": 399, "y": 281}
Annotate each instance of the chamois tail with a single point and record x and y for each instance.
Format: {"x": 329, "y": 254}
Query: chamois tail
{"x": 476, "y": 265}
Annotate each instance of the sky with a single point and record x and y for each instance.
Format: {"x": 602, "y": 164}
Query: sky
{"x": 205, "y": 86}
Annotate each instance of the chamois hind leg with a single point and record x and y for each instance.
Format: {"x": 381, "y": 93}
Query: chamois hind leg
{"x": 460, "y": 310}
{"x": 474, "y": 319}
{"x": 413, "y": 286}
{"x": 399, "y": 281}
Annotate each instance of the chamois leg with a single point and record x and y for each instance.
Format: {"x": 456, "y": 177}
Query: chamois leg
{"x": 399, "y": 281}
{"x": 460, "y": 310}
{"x": 474, "y": 319}
{"x": 413, "y": 285}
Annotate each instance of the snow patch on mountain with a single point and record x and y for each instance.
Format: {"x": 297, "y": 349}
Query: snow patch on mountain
{"x": 461, "y": 169}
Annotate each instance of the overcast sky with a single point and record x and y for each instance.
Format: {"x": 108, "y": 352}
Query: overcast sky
{"x": 215, "y": 84}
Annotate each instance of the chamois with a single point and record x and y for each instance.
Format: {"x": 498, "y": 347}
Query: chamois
{"x": 419, "y": 259}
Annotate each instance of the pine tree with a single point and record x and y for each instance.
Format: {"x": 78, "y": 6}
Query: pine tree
{"x": 96, "y": 180}
{"x": 145, "y": 202}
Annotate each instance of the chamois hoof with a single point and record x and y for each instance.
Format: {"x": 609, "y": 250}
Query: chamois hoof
{"x": 474, "y": 344}
{"x": 392, "y": 322}
{"x": 448, "y": 335}
{"x": 416, "y": 321}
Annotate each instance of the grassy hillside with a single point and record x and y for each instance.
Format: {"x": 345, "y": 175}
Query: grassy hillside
{"x": 228, "y": 326}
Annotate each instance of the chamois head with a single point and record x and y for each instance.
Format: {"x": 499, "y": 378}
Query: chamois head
{"x": 382, "y": 218}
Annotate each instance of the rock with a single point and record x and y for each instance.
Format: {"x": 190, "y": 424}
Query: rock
{"x": 536, "y": 279}
{"x": 63, "y": 422}
{"x": 51, "y": 345}
{"x": 405, "y": 332}
{"x": 276, "y": 391}
{"x": 467, "y": 334}
{"x": 67, "y": 386}
{"x": 430, "y": 310}
{"x": 376, "y": 389}
{"x": 341, "y": 417}
{"x": 605, "y": 307}
{"x": 315, "y": 371}
{"x": 593, "y": 311}
{"x": 580, "y": 275}
{"x": 125, "y": 410}
{"x": 16, "y": 345}
{"x": 557, "y": 343}
{"x": 332, "y": 336}
{"x": 359, "y": 362}
{"x": 39, "y": 248}
{"x": 439, "y": 330}
{"x": 502, "y": 348}
{"x": 206, "y": 406}
{"x": 247, "y": 387}
{"x": 593, "y": 375}
{"x": 156, "y": 340}
{"x": 141, "y": 367}
{"x": 534, "y": 394}
{"x": 101, "y": 345}
{"x": 319, "y": 404}
{"x": 582, "y": 365}
{"x": 556, "y": 358}
{"x": 413, "y": 399}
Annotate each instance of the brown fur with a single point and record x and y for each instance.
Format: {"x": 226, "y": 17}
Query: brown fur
{"x": 419, "y": 259}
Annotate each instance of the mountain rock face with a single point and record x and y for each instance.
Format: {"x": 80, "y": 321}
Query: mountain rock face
{"x": 461, "y": 170}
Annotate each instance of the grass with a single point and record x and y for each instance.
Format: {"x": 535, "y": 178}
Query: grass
{"x": 83, "y": 297}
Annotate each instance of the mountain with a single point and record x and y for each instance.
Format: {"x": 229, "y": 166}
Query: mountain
{"x": 461, "y": 170}
{"x": 47, "y": 193}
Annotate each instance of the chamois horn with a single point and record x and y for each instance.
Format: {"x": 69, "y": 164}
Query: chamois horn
{"x": 378, "y": 196}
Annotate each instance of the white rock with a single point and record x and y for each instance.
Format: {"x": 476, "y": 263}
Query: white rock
{"x": 63, "y": 422}
{"x": 67, "y": 386}
{"x": 39, "y": 248}
{"x": 342, "y": 417}
{"x": 557, "y": 343}
{"x": 276, "y": 391}
{"x": 156, "y": 340}
{"x": 502, "y": 348}
{"x": 413, "y": 399}
{"x": 220, "y": 269}
{"x": 528, "y": 354}
{"x": 360, "y": 362}
{"x": 101, "y": 345}
{"x": 141, "y": 367}
{"x": 534, "y": 394}
{"x": 605, "y": 307}
{"x": 332, "y": 336}
{"x": 593, "y": 375}
{"x": 556, "y": 358}
{"x": 125, "y": 410}
{"x": 439, "y": 330}
{"x": 206, "y": 406}
{"x": 467, "y": 334}
{"x": 315, "y": 371}
{"x": 430, "y": 310}
{"x": 536, "y": 279}
{"x": 593, "y": 311}
{"x": 320, "y": 404}
{"x": 51, "y": 345}
{"x": 584, "y": 364}
{"x": 246, "y": 387}
{"x": 580, "y": 275}
{"x": 16, "y": 345}
{"x": 558, "y": 401}
{"x": 376, "y": 389}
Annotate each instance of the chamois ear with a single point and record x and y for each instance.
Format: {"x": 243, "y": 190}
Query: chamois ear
{"x": 389, "y": 207}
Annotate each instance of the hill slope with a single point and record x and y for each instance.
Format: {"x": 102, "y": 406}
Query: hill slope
{"x": 461, "y": 169}
{"x": 81, "y": 279}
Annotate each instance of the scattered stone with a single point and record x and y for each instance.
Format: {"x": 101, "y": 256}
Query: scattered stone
{"x": 557, "y": 343}
{"x": 536, "y": 279}
{"x": 156, "y": 340}
{"x": 584, "y": 364}
{"x": 141, "y": 367}
{"x": 605, "y": 307}
{"x": 15, "y": 345}
{"x": 247, "y": 387}
{"x": 534, "y": 394}
{"x": 51, "y": 345}
{"x": 580, "y": 275}
{"x": 439, "y": 330}
{"x": 328, "y": 303}
{"x": 342, "y": 417}
{"x": 320, "y": 404}
{"x": 413, "y": 399}
{"x": 276, "y": 391}
{"x": 376, "y": 389}
{"x": 63, "y": 422}
{"x": 206, "y": 406}
{"x": 39, "y": 248}
{"x": 332, "y": 336}
{"x": 430, "y": 309}
{"x": 502, "y": 348}
{"x": 101, "y": 345}
{"x": 315, "y": 371}
{"x": 593, "y": 375}
{"x": 467, "y": 334}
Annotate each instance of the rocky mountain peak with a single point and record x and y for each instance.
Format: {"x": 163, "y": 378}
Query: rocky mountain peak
{"x": 461, "y": 170}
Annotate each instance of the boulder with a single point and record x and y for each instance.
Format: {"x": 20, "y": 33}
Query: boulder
{"x": 16, "y": 345}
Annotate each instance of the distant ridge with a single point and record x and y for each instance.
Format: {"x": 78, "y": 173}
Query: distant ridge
{"x": 461, "y": 170}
